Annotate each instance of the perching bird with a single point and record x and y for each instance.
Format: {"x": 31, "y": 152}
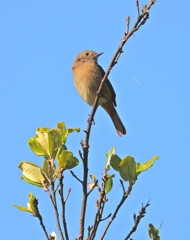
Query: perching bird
{"x": 87, "y": 77}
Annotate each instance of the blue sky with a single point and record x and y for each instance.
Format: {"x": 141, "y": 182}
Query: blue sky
{"x": 39, "y": 41}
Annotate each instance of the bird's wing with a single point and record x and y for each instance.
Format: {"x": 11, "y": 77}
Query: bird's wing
{"x": 113, "y": 94}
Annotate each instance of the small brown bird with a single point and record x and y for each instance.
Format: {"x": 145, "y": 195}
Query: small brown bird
{"x": 87, "y": 77}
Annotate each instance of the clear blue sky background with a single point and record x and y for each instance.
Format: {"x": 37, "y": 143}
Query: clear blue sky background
{"x": 38, "y": 43}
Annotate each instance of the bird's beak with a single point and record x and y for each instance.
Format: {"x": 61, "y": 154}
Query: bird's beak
{"x": 98, "y": 54}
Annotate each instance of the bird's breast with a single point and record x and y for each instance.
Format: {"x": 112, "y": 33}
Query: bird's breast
{"x": 87, "y": 78}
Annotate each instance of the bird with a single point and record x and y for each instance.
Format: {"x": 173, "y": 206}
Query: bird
{"x": 87, "y": 75}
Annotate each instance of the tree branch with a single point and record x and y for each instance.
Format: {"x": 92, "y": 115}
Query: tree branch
{"x": 76, "y": 176}
{"x": 138, "y": 219}
{"x": 38, "y": 215}
{"x": 125, "y": 196}
{"x": 63, "y": 202}
{"x": 93, "y": 187}
{"x": 122, "y": 185}
{"x": 100, "y": 205}
{"x": 84, "y": 188}
{"x": 53, "y": 199}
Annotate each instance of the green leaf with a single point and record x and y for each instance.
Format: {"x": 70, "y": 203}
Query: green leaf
{"x": 43, "y": 143}
{"x": 66, "y": 160}
{"x": 146, "y": 165}
{"x": 38, "y": 184}
{"x": 60, "y": 133}
{"x": 128, "y": 169}
{"x": 47, "y": 142}
{"x": 153, "y": 232}
{"x": 32, "y": 174}
{"x": 109, "y": 183}
{"x": 32, "y": 205}
{"x": 115, "y": 162}
{"x": 109, "y": 155}
{"x": 60, "y": 149}
{"x": 36, "y": 147}
{"x": 22, "y": 208}
{"x": 70, "y": 130}
{"x": 111, "y": 152}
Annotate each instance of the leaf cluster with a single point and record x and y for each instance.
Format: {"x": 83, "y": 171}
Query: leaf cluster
{"x": 51, "y": 145}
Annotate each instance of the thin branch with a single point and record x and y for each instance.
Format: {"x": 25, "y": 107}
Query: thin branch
{"x": 122, "y": 185}
{"x": 125, "y": 196}
{"x": 85, "y": 196}
{"x": 76, "y": 176}
{"x": 98, "y": 217}
{"x": 80, "y": 154}
{"x": 128, "y": 23}
{"x": 84, "y": 188}
{"x": 95, "y": 185}
{"x": 52, "y": 196}
{"x": 103, "y": 219}
{"x": 89, "y": 230}
{"x": 100, "y": 208}
{"x": 137, "y": 5}
{"x": 137, "y": 219}
{"x": 63, "y": 205}
{"x": 38, "y": 215}
{"x": 43, "y": 227}
{"x": 56, "y": 188}
{"x": 69, "y": 191}
{"x": 53, "y": 199}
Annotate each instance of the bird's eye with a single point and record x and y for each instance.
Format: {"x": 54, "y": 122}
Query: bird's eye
{"x": 86, "y": 54}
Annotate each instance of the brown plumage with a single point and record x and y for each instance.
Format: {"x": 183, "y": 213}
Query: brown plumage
{"x": 87, "y": 77}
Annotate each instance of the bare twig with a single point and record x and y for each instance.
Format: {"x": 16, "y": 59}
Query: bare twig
{"x": 89, "y": 230}
{"x": 122, "y": 185}
{"x": 100, "y": 208}
{"x": 43, "y": 226}
{"x": 125, "y": 196}
{"x": 128, "y": 23}
{"x": 63, "y": 205}
{"x": 137, "y": 5}
{"x": 85, "y": 195}
{"x": 38, "y": 215}
{"x": 76, "y": 176}
{"x": 137, "y": 219}
{"x": 56, "y": 188}
{"x": 103, "y": 219}
{"x": 53, "y": 199}
{"x": 95, "y": 185}
{"x": 69, "y": 191}
{"x": 80, "y": 154}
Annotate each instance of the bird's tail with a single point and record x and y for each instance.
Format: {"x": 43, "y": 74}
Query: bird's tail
{"x": 110, "y": 109}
